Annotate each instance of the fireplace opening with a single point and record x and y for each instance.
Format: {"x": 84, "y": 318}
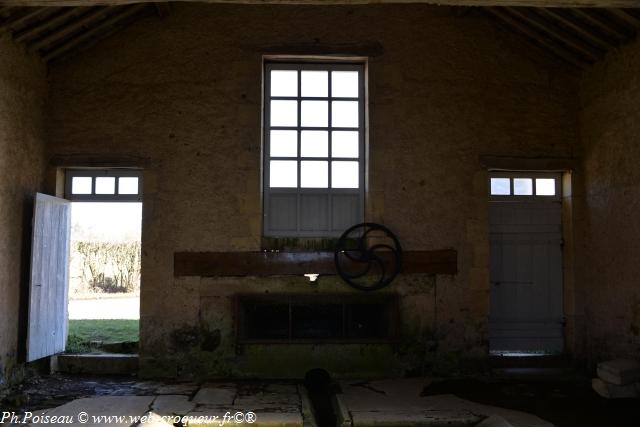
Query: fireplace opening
{"x": 316, "y": 321}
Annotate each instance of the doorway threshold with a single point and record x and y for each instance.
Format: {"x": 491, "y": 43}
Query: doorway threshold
{"x": 528, "y": 360}
{"x": 507, "y": 353}
{"x": 96, "y": 363}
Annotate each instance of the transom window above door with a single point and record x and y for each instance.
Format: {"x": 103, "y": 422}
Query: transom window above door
{"x": 117, "y": 185}
{"x": 314, "y": 147}
{"x": 524, "y": 185}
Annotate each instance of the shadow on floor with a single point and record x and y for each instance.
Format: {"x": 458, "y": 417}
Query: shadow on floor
{"x": 565, "y": 403}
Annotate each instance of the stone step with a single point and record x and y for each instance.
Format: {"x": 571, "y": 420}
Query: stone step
{"x": 125, "y": 347}
{"x": 613, "y": 391}
{"x": 535, "y": 374}
{"x": 96, "y": 363}
{"x": 542, "y": 361}
{"x": 619, "y": 371}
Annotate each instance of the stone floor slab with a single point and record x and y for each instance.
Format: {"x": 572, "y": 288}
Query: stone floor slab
{"x": 415, "y": 418}
{"x": 96, "y": 408}
{"x": 151, "y": 419}
{"x": 223, "y": 394}
{"x": 495, "y": 421}
{"x": 516, "y": 418}
{"x": 268, "y": 400}
{"x": 211, "y": 417}
{"x": 398, "y": 402}
{"x": 171, "y": 404}
{"x": 376, "y": 403}
{"x": 180, "y": 388}
{"x": 275, "y": 419}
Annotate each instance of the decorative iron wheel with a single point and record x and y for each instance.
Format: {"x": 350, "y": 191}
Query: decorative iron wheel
{"x": 368, "y": 256}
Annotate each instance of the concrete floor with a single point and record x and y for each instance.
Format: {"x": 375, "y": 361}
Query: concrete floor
{"x": 377, "y": 403}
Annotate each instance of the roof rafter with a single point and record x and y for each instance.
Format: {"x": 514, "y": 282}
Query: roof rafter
{"x": 536, "y": 37}
{"x": 107, "y": 25}
{"x": 600, "y": 24}
{"x": 91, "y": 16}
{"x": 24, "y": 17}
{"x": 564, "y": 37}
{"x": 33, "y": 31}
{"x": 578, "y": 36}
{"x": 582, "y": 31}
{"x": 625, "y": 17}
{"x": 529, "y": 3}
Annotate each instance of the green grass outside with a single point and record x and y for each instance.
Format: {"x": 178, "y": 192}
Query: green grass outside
{"x": 83, "y": 332}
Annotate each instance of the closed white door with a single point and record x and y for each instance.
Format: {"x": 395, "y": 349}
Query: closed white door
{"x": 526, "y": 312}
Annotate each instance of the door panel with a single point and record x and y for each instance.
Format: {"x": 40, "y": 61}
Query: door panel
{"x": 48, "y": 287}
{"x": 526, "y": 277}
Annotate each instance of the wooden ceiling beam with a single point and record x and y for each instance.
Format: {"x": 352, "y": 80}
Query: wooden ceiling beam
{"x": 68, "y": 29}
{"x": 565, "y": 38}
{"x": 88, "y": 43}
{"x": 591, "y": 37}
{"x": 625, "y": 17}
{"x": 16, "y": 21}
{"x": 103, "y": 26}
{"x": 530, "y": 3}
{"x": 517, "y": 25}
{"x": 41, "y": 28}
{"x": 598, "y": 23}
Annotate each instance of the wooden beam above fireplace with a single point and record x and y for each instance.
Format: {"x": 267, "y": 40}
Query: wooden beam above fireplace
{"x": 220, "y": 264}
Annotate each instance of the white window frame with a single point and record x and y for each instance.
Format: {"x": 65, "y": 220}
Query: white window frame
{"x": 95, "y": 173}
{"x": 268, "y": 193}
{"x": 557, "y": 176}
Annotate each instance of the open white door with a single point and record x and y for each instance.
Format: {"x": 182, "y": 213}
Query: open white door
{"x": 48, "y": 286}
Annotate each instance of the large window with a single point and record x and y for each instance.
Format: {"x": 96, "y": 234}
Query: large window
{"x": 314, "y": 148}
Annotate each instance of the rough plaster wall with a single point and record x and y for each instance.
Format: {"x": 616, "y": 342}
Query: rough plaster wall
{"x": 22, "y": 96}
{"x": 185, "y": 94}
{"x": 610, "y": 133}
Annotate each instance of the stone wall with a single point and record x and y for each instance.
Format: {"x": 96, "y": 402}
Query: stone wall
{"x": 22, "y": 97}
{"x": 608, "y": 265}
{"x": 182, "y": 95}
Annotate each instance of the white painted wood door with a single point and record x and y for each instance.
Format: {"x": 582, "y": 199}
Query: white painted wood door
{"x": 526, "y": 277}
{"x": 48, "y": 287}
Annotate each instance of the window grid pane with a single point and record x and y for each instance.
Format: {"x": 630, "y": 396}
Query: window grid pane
{"x": 314, "y": 83}
{"x": 500, "y": 186}
{"x": 314, "y": 143}
{"x": 545, "y": 187}
{"x": 312, "y": 105}
{"x": 522, "y": 186}
{"x": 105, "y": 185}
{"x": 128, "y": 185}
{"x": 81, "y": 185}
{"x": 314, "y": 174}
{"x": 283, "y": 174}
